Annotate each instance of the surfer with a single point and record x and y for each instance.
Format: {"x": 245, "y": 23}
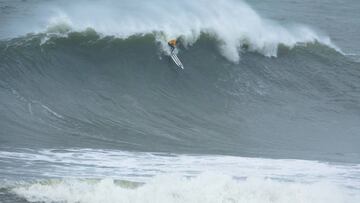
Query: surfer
{"x": 172, "y": 44}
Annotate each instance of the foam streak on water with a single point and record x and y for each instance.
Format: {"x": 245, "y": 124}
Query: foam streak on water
{"x": 86, "y": 175}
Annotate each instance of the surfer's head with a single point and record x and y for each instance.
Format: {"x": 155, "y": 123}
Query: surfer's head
{"x": 172, "y": 42}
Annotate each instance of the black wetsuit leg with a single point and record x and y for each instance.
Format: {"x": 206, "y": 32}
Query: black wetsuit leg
{"x": 172, "y": 47}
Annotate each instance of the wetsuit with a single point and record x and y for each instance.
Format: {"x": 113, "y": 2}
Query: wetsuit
{"x": 172, "y": 44}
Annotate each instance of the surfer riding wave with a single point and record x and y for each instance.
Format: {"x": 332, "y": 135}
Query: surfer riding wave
{"x": 172, "y": 44}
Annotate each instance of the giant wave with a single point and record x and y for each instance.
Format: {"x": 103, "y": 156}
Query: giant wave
{"x": 86, "y": 90}
{"x": 92, "y": 108}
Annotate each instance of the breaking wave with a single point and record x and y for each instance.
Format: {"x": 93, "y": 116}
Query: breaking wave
{"x": 234, "y": 24}
{"x": 88, "y": 91}
{"x": 128, "y": 94}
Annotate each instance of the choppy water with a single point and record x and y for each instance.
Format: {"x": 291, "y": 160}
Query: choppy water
{"x": 92, "y": 109}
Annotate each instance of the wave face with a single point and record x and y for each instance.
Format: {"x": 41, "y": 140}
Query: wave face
{"x": 84, "y": 90}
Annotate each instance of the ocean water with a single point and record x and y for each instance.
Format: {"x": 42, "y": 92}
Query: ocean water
{"x": 92, "y": 109}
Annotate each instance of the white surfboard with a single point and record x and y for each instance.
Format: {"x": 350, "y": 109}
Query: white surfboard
{"x": 176, "y": 60}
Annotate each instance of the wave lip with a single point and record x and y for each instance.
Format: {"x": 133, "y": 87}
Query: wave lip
{"x": 233, "y": 23}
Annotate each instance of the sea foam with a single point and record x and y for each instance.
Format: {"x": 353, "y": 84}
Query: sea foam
{"x": 233, "y": 23}
{"x": 89, "y": 175}
{"x": 206, "y": 187}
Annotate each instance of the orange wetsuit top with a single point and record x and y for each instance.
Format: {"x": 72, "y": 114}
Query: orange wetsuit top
{"x": 172, "y": 42}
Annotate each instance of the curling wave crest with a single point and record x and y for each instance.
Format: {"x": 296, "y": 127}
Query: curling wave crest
{"x": 233, "y": 23}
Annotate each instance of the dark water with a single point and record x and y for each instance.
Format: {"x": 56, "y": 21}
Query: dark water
{"x": 82, "y": 91}
{"x": 80, "y": 109}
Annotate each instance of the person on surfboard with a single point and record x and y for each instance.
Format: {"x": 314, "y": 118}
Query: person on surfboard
{"x": 172, "y": 44}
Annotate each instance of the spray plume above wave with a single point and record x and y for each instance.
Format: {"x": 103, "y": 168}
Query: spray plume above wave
{"x": 234, "y": 24}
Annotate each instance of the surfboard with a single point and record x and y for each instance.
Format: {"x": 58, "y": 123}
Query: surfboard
{"x": 176, "y": 60}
